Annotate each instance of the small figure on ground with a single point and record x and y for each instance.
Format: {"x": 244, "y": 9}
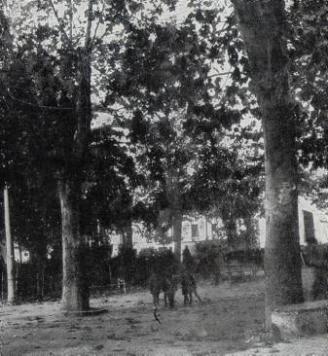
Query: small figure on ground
{"x": 121, "y": 285}
{"x": 166, "y": 284}
{"x": 189, "y": 287}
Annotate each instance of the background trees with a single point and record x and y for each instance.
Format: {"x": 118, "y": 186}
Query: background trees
{"x": 309, "y": 60}
{"x": 55, "y": 85}
{"x": 50, "y": 87}
{"x": 183, "y": 111}
{"x": 172, "y": 139}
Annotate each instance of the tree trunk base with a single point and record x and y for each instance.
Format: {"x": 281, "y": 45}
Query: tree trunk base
{"x": 297, "y": 320}
{"x": 90, "y": 312}
{"x": 75, "y": 294}
{"x": 75, "y": 301}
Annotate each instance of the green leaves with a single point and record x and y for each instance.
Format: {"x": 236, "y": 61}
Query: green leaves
{"x": 309, "y": 55}
{"x": 160, "y": 82}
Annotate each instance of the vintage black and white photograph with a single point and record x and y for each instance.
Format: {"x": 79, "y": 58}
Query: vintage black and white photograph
{"x": 163, "y": 177}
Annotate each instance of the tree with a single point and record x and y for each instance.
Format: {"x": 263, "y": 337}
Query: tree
{"x": 168, "y": 76}
{"x": 163, "y": 155}
{"x": 110, "y": 182}
{"x": 36, "y": 223}
{"x": 43, "y": 95}
{"x": 308, "y": 52}
{"x": 57, "y": 63}
{"x": 228, "y": 185}
{"x": 263, "y": 27}
{"x": 68, "y": 178}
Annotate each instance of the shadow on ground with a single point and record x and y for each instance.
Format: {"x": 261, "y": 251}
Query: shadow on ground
{"x": 231, "y": 318}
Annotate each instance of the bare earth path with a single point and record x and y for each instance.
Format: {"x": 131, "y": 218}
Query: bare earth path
{"x": 230, "y": 320}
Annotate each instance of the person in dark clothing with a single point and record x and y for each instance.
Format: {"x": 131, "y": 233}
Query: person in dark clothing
{"x": 189, "y": 287}
{"x": 187, "y": 259}
{"x": 163, "y": 283}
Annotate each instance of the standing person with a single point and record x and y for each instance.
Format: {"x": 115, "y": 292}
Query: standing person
{"x": 189, "y": 287}
{"x": 188, "y": 281}
{"x": 187, "y": 259}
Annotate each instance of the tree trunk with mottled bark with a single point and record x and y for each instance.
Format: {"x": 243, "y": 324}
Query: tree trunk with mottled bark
{"x": 74, "y": 293}
{"x": 175, "y": 208}
{"x": 177, "y": 232}
{"x": 263, "y": 28}
{"x": 230, "y": 227}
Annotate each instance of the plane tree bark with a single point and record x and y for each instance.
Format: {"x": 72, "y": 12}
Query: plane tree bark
{"x": 75, "y": 295}
{"x": 175, "y": 206}
{"x": 177, "y": 232}
{"x": 263, "y": 27}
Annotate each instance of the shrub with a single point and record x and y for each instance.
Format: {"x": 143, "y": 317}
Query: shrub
{"x": 123, "y": 265}
{"x": 208, "y": 257}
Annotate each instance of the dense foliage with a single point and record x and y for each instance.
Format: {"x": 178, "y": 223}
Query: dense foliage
{"x": 178, "y": 131}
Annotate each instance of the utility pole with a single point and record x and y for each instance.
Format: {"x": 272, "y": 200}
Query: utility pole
{"x": 10, "y": 251}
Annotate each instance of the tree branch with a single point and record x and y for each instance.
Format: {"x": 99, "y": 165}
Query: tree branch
{"x": 12, "y": 97}
{"x": 70, "y": 20}
{"x": 98, "y": 23}
{"x": 88, "y": 29}
{"x": 220, "y": 74}
{"x": 60, "y": 23}
{"x": 108, "y": 110}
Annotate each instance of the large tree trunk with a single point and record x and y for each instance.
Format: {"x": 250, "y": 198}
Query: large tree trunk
{"x": 263, "y": 25}
{"x": 39, "y": 260}
{"x": 74, "y": 294}
{"x": 251, "y": 233}
{"x": 175, "y": 208}
{"x": 230, "y": 227}
{"x": 177, "y": 233}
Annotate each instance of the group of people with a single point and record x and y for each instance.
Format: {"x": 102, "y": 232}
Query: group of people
{"x": 168, "y": 281}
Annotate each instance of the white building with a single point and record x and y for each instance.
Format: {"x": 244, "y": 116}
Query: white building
{"x": 194, "y": 229}
{"x": 313, "y": 224}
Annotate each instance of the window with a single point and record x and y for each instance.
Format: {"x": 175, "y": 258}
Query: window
{"x": 194, "y": 231}
{"x": 309, "y": 233}
{"x": 185, "y": 231}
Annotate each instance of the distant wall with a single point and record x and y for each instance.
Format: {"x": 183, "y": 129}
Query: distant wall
{"x": 194, "y": 229}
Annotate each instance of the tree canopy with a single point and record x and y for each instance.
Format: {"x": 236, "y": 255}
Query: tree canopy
{"x": 127, "y": 114}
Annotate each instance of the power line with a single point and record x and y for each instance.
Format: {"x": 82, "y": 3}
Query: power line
{"x": 58, "y": 108}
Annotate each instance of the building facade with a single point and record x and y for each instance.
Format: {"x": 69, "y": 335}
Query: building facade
{"x": 194, "y": 229}
{"x": 313, "y": 227}
{"x": 312, "y": 222}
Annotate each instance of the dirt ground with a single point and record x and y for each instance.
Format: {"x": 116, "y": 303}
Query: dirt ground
{"x": 229, "y": 321}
